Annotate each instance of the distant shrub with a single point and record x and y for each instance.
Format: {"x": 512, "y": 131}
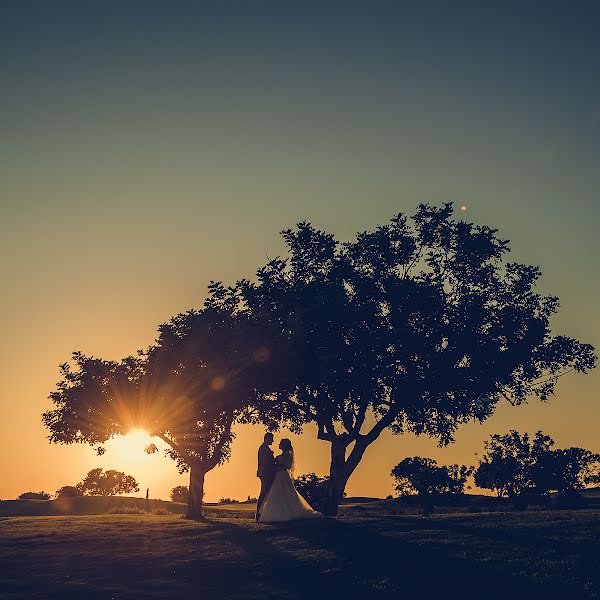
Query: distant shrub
{"x": 68, "y": 491}
{"x": 526, "y": 469}
{"x": 423, "y": 476}
{"x": 228, "y": 501}
{"x": 248, "y": 500}
{"x": 569, "y": 499}
{"x": 312, "y": 488}
{"x": 34, "y": 496}
{"x": 127, "y": 510}
{"x": 161, "y": 512}
{"x": 180, "y": 494}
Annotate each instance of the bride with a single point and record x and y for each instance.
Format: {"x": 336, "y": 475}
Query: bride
{"x": 283, "y": 502}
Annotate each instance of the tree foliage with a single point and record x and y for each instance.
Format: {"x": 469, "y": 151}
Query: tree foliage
{"x": 567, "y": 469}
{"x": 312, "y": 487}
{"x": 107, "y": 483}
{"x": 423, "y": 476}
{"x": 516, "y": 465}
{"x": 187, "y": 389}
{"x": 509, "y": 463}
{"x": 417, "y": 326}
{"x": 68, "y": 491}
{"x": 180, "y": 493}
{"x": 34, "y": 496}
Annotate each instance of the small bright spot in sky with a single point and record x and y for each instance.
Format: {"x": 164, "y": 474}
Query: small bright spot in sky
{"x": 463, "y": 208}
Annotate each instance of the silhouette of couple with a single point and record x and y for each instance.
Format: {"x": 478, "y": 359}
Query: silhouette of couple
{"x": 279, "y": 499}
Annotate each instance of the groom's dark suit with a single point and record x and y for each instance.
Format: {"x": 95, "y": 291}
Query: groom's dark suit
{"x": 266, "y": 474}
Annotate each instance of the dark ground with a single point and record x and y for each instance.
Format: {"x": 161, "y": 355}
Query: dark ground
{"x": 364, "y": 554}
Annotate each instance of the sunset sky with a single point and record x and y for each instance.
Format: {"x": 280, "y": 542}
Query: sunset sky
{"x": 149, "y": 147}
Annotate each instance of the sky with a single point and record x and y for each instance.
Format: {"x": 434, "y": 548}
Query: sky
{"x": 149, "y": 147}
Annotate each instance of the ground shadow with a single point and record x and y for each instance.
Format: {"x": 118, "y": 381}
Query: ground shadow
{"x": 364, "y": 563}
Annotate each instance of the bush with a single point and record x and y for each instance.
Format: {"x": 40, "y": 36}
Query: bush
{"x": 312, "y": 488}
{"x": 180, "y": 494}
{"x": 423, "y": 476}
{"x": 34, "y": 496}
{"x": 68, "y": 491}
{"x": 569, "y": 499}
{"x": 127, "y": 510}
{"x": 160, "y": 512}
{"x": 228, "y": 501}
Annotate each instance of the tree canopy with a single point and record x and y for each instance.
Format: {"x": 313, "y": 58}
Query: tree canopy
{"x": 107, "y": 483}
{"x": 187, "y": 389}
{"x": 68, "y": 491}
{"x": 516, "y": 465}
{"x": 180, "y": 493}
{"x": 423, "y": 476}
{"x": 34, "y": 496}
{"x": 417, "y": 326}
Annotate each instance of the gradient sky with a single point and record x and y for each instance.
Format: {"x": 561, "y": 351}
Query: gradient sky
{"x": 148, "y": 147}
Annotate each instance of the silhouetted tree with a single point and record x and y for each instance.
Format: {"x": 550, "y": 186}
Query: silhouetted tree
{"x": 509, "y": 464}
{"x": 312, "y": 487}
{"x": 423, "y": 476}
{"x": 566, "y": 470}
{"x": 68, "y": 491}
{"x": 417, "y": 326}
{"x": 107, "y": 483}
{"x": 180, "y": 493}
{"x": 187, "y": 389}
{"x": 34, "y": 496}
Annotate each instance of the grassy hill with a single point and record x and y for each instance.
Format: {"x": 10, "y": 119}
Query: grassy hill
{"x": 98, "y": 505}
{"x": 87, "y": 505}
{"x": 521, "y": 556}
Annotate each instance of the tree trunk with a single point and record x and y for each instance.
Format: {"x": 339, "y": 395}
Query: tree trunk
{"x": 338, "y": 477}
{"x": 196, "y": 492}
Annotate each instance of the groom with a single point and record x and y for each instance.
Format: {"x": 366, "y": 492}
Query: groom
{"x": 266, "y": 470}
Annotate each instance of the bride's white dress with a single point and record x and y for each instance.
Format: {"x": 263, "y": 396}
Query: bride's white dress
{"x": 283, "y": 502}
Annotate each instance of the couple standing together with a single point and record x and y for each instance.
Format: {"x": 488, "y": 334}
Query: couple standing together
{"x": 279, "y": 499}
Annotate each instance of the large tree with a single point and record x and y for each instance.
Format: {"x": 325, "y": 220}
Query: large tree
{"x": 187, "y": 389}
{"x": 418, "y": 325}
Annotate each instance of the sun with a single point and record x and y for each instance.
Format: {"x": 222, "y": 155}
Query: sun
{"x": 130, "y": 447}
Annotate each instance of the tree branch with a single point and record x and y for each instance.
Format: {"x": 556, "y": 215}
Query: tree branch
{"x": 385, "y": 421}
{"x": 181, "y": 451}
{"x": 552, "y": 377}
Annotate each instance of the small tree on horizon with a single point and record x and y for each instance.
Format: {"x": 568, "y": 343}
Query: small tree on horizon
{"x": 417, "y": 326}
{"x": 566, "y": 470}
{"x": 510, "y": 463}
{"x": 180, "y": 493}
{"x": 312, "y": 487}
{"x": 423, "y": 477}
{"x": 34, "y": 496}
{"x": 107, "y": 483}
{"x": 68, "y": 491}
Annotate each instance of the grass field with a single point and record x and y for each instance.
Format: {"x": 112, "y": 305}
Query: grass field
{"x": 366, "y": 553}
